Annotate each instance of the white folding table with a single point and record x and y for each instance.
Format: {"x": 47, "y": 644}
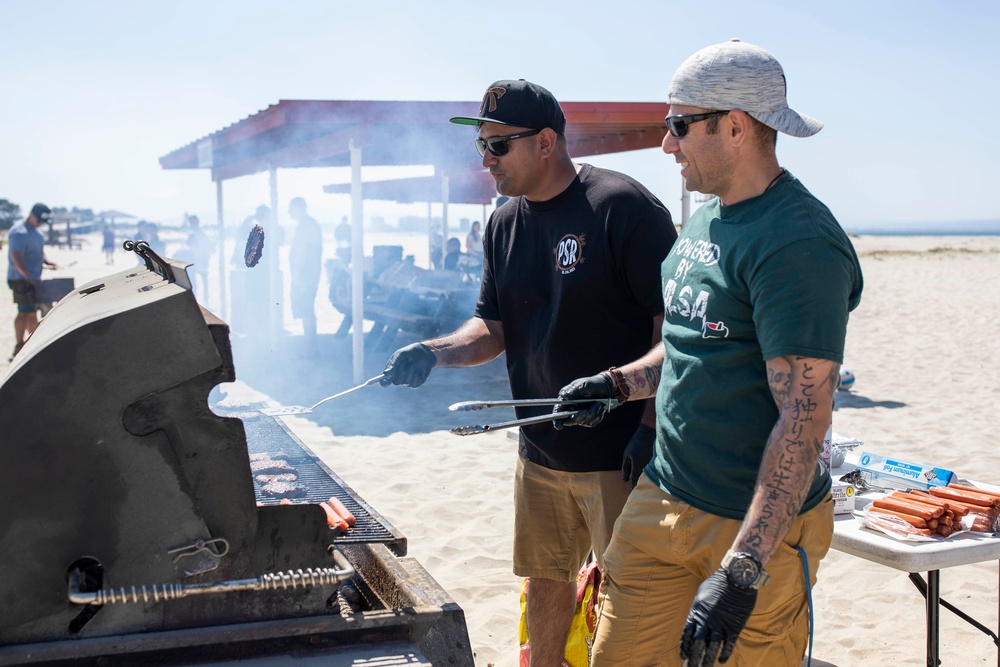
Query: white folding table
{"x": 850, "y": 537}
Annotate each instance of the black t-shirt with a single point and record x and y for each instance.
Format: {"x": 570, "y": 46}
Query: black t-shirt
{"x": 575, "y": 282}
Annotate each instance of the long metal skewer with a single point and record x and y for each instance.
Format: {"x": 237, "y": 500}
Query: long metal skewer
{"x": 284, "y": 410}
{"x": 366, "y": 383}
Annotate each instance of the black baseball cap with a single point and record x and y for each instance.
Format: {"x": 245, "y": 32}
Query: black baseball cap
{"x": 520, "y": 104}
{"x": 41, "y": 212}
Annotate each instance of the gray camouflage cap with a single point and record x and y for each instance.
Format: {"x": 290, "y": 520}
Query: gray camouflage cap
{"x": 738, "y": 75}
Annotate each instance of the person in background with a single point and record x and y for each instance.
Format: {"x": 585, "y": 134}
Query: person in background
{"x": 436, "y": 244}
{"x": 150, "y": 233}
{"x": 108, "y": 235}
{"x": 26, "y": 259}
{"x": 731, "y": 517}
{"x": 342, "y": 235}
{"x": 199, "y": 248}
{"x": 453, "y": 255}
{"x": 305, "y": 260}
{"x": 569, "y": 278}
{"x": 474, "y": 243}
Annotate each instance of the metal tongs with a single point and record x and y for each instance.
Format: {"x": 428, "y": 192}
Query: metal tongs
{"x": 467, "y": 406}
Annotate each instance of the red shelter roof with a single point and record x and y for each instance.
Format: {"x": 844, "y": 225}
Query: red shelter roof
{"x": 319, "y": 133}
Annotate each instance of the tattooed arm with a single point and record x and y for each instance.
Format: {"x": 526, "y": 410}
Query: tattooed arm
{"x": 642, "y": 376}
{"x": 644, "y": 380}
{"x": 803, "y": 389}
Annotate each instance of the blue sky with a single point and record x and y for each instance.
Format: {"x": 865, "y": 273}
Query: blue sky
{"x": 96, "y": 92}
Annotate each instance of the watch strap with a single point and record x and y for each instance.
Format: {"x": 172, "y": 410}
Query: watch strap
{"x": 732, "y": 556}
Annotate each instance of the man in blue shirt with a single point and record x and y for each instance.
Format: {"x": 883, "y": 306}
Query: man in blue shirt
{"x": 26, "y": 255}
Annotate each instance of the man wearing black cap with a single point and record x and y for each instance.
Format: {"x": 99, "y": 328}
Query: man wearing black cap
{"x": 26, "y": 255}
{"x": 570, "y": 280}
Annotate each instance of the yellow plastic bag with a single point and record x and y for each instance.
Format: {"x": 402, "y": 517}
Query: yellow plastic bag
{"x": 581, "y": 630}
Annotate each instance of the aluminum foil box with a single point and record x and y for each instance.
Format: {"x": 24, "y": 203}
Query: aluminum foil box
{"x": 894, "y": 473}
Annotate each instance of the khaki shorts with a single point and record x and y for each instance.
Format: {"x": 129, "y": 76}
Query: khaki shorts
{"x": 559, "y": 517}
{"x": 661, "y": 552}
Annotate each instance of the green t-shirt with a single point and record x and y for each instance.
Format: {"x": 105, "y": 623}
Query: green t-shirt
{"x": 769, "y": 276}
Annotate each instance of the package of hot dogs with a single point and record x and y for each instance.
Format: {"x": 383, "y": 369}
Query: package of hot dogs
{"x": 939, "y": 513}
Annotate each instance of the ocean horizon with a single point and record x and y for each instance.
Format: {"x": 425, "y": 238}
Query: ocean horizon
{"x": 941, "y": 228}
{"x": 919, "y": 232}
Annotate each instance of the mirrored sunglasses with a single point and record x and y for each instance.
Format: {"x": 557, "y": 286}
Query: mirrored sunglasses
{"x": 498, "y": 145}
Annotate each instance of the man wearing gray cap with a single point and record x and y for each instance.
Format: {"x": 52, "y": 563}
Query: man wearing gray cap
{"x": 733, "y": 513}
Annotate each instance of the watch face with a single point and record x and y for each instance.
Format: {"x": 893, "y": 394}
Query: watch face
{"x": 744, "y": 571}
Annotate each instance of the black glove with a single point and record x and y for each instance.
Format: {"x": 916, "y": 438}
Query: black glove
{"x": 638, "y": 452}
{"x": 718, "y": 615}
{"x": 409, "y": 365}
{"x": 598, "y": 386}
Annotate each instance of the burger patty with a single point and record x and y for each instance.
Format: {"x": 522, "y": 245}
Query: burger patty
{"x": 281, "y": 477}
{"x": 255, "y": 246}
{"x": 277, "y": 489}
{"x": 271, "y": 467}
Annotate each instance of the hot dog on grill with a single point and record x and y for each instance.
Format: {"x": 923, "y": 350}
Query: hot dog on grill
{"x": 341, "y": 509}
{"x": 333, "y": 519}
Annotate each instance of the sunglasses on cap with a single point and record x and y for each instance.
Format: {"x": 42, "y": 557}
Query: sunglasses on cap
{"x": 498, "y": 145}
{"x": 678, "y": 125}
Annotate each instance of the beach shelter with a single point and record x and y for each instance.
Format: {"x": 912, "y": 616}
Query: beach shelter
{"x": 111, "y": 215}
{"x": 342, "y": 133}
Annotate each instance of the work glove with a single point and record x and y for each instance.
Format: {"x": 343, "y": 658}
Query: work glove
{"x": 598, "y": 386}
{"x": 718, "y": 615}
{"x": 638, "y": 452}
{"x": 409, "y": 365}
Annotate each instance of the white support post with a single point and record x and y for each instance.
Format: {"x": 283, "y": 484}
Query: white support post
{"x": 357, "y": 265}
{"x": 444, "y": 208}
{"x": 223, "y": 310}
{"x": 430, "y": 239}
{"x": 275, "y": 289}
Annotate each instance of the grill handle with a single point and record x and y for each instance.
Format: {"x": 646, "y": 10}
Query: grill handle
{"x": 154, "y": 262}
{"x": 163, "y": 592}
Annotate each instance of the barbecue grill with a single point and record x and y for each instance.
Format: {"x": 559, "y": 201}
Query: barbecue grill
{"x": 133, "y": 532}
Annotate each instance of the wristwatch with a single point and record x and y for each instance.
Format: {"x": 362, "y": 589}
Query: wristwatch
{"x": 743, "y": 570}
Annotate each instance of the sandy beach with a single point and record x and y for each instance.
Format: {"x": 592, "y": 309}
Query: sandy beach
{"x": 926, "y": 391}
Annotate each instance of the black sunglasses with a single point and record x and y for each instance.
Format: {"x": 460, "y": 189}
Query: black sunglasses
{"x": 678, "y": 125}
{"x": 498, "y": 145}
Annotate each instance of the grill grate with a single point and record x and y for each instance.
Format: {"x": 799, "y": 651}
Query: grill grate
{"x": 267, "y": 435}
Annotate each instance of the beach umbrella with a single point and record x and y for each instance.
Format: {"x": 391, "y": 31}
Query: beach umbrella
{"x": 111, "y": 215}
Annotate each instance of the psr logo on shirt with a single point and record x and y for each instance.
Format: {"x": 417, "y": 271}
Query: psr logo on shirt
{"x": 569, "y": 252}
